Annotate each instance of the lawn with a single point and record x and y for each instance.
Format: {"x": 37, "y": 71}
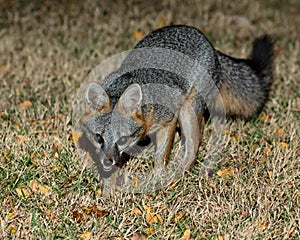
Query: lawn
{"x": 47, "y": 48}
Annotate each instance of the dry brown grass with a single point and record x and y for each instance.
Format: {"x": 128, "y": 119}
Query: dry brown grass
{"x": 46, "y": 50}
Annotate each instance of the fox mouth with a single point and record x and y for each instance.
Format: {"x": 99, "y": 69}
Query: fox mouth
{"x": 108, "y": 165}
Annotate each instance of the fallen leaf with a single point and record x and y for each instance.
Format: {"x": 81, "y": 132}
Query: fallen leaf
{"x": 77, "y": 216}
{"x": 33, "y": 184}
{"x": 54, "y": 72}
{"x": 279, "y": 132}
{"x": 25, "y": 104}
{"x": 138, "y": 35}
{"x": 186, "y": 235}
{"x": 86, "y": 235}
{"x": 87, "y": 210}
{"x": 235, "y": 137}
{"x": 226, "y": 172}
{"x": 263, "y": 225}
{"x": 22, "y": 139}
{"x": 245, "y": 214}
{"x": 220, "y": 237}
{"x": 178, "y": 217}
{"x": 44, "y": 189}
{"x": 134, "y": 182}
{"x": 153, "y": 218}
{"x": 55, "y": 168}
{"x": 218, "y": 208}
{"x": 23, "y": 191}
{"x": 10, "y": 215}
{"x": 11, "y": 228}
{"x": 227, "y": 132}
{"x": 283, "y": 145}
{"x": 265, "y": 118}
{"x": 99, "y": 213}
{"x": 147, "y": 208}
{"x": 137, "y": 211}
{"x": 203, "y": 234}
{"x": 150, "y": 230}
{"x": 48, "y": 212}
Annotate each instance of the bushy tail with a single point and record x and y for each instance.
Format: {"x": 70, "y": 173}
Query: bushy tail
{"x": 246, "y": 84}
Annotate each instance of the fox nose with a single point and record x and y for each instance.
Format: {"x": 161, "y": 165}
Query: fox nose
{"x": 108, "y": 162}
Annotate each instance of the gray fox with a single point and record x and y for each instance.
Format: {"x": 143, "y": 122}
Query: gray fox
{"x": 167, "y": 83}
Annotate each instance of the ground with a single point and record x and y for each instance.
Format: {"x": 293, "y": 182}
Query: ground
{"x": 47, "y": 48}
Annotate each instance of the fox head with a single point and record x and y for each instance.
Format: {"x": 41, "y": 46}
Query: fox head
{"x": 116, "y": 132}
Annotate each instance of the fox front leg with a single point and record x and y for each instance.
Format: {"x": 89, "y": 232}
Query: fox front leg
{"x": 164, "y": 139}
{"x": 192, "y": 125}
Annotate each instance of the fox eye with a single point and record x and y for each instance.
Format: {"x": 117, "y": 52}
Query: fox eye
{"x": 123, "y": 140}
{"x": 99, "y": 138}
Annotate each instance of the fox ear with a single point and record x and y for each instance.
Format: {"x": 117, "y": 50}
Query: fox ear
{"x": 130, "y": 100}
{"x": 97, "y": 98}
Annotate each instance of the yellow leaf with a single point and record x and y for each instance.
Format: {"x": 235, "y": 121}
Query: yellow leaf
{"x": 44, "y": 189}
{"x": 227, "y": 132}
{"x": 268, "y": 151}
{"x": 86, "y": 235}
{"x": 153, "y": 218}
{"x": 283, "y": 145}
{"x": 11, "y": 228}
{"x": 235, "y": 137}
{"x": 76, "y": 136}
{"x": 55, "y": 168}
{"x": 25, "y": 104}
{"x": 134, "y": 182}
{"x": 263, "y": 117}
{"x": 150, "y": 230}
{"x": 10, "y": 215}
{"x": 227, "y": 172}
{"x": 138, "y": 35}
{"x": 48, "y": 212}
{"x": 279, "y": 132}
{"x": 23, "y": 191}
{"x": 178, "y": 217}
{"x": 263, "y": 225}
{"x": 186, "y": 235}
{"x": 203, "y": 234}
{"x": 87, "y": 209}
{"x": 137, "y": 211}
{"x": 220, "y": 237}
{"x": 147, "y": 208}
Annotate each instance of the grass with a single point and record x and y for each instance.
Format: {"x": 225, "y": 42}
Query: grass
{"x": 48, "y": 48}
